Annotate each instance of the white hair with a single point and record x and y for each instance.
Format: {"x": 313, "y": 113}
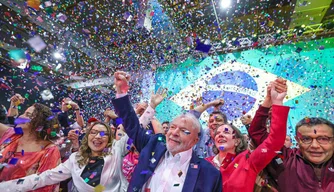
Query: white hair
{"x": 195, "y": 122}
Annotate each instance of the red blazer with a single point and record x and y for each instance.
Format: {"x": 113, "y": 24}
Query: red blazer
{"x": 239, "y": 173}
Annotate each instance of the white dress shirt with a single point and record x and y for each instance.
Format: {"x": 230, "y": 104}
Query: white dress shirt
{"x": 170, "y": 174}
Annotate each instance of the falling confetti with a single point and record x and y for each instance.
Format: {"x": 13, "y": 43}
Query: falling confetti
{"x": 99, "y": 188}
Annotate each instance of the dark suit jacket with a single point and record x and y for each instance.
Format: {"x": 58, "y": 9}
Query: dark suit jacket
{"x": 201, "y": 175}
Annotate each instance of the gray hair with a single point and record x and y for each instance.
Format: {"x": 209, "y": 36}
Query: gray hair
{"x": 195, "y": 122}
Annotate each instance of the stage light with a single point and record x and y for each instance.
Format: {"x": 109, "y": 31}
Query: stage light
{"x": 225, "y": 3}
{"x": 57, "y": 55}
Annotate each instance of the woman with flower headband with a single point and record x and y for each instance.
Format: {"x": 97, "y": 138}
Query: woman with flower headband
{"x": 239, "y": 166}
{"x": 27, "y": 149}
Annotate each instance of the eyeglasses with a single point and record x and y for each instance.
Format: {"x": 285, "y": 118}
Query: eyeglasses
{"x": 320, "y": 139}
{"x": 102, "y": 133}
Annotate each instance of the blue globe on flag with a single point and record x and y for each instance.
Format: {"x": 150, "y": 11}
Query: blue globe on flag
{"x": 238, "y": 90}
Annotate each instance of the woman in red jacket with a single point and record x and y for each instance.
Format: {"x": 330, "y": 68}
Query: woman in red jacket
{"x": 239, "y": 166}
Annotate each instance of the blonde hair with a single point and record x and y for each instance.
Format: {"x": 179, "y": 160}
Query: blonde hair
{"x": 84, "y": 152}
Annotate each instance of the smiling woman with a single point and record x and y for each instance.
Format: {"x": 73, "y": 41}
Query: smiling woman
{"x": 99, "y": 137}
{"x": 239, "y": 166}
{"x": 96, "y": 166}
{"x": 26, "y": 149}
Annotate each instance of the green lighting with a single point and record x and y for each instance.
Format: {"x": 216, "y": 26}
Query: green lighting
{"x": 36, "y": 68}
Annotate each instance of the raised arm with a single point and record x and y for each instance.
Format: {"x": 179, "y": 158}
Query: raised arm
{"x": 78, "y": 115}
{"x": 198, "y": 110}
{"x": 125, "y": 111}
{"x": 156, "y": 99}
{"x": 266, "y": 151}
{"x": 35, "y": 181}
{"x": 258, "y": 128}
{"x": 157, "y": 127}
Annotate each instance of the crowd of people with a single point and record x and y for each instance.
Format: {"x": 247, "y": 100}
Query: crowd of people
{"x": 130, "y": 150}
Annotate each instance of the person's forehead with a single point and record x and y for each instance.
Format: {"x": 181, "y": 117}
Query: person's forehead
{"x": 214, "y": 116}
{"x": 321, "y": 129}
{"x": 182, "y": 122}
{"x": 30, "y": 109}
{"x": 99, "y": 128}
{"x": 224, "y": 127}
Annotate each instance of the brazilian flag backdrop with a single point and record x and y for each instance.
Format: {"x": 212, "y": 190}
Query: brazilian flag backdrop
{"x": 241, "y": 78}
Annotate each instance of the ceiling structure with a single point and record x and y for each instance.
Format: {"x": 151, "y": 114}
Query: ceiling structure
{"x": 97, "y": 37}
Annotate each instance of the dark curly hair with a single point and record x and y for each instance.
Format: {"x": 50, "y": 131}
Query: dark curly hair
{"x": 44, "y": 124}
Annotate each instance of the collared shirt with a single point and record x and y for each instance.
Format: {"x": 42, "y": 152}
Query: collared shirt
{"x": 226, "y": 161}
{"x": 170, "y": 174}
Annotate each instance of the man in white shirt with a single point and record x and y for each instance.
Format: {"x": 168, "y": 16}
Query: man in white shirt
{"x": 166, "y": 163}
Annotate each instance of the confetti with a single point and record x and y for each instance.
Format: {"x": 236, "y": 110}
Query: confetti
{"x": 13, "y": 161}
{"x": 33, "y": 4}
{"x": 18, "y": 131}
{"x": 99, "y": 188}
{"x": 180, "y": 173}
{"x": 36, "y": 42}
{"x": 129, "y": 142}
{"x": 50, "y": 117}
{"x": 144, "y": 172}
{"x": 17, "y": 55}
{"x": 187, "y": 132}
{"x": 20, "y": 181}
{"x": 7, "y": 140}
{"x": 21, "y": 120}
{"x": 119, "y": 121}
{"x": 153, "y": 160}
{"x": 53, "y": 134}
{"x": 92, "y": 175}
{"x": 203, "y": 47}
{"x": 279, "y": 161}
{"x": 39, "y": 128}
